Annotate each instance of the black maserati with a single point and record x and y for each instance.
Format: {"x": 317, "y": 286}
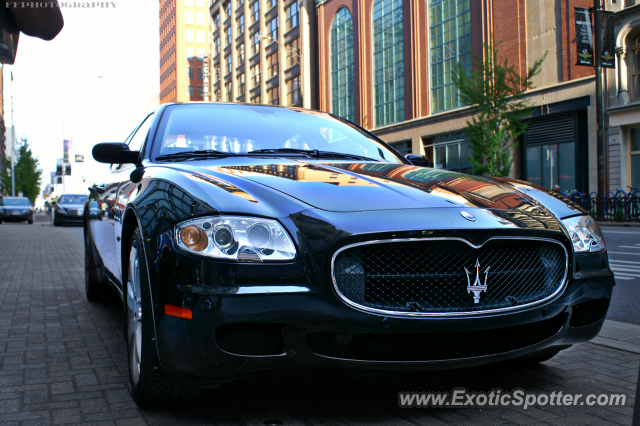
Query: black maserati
{"x": 249, "y": 240}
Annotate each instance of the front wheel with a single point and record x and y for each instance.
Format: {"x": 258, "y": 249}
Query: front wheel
{"x": 149, "y": 384}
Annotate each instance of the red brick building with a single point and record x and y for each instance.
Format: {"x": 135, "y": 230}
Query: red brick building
{"x": 386, "y": 65}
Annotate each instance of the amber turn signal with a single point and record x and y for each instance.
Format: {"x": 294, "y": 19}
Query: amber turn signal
{"x": 194, "y": 238}
{"x": 175, "y": 311}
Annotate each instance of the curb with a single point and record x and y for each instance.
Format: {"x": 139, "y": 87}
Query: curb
{"x": 620, "y": 224}
{"x": 615, "y": 335}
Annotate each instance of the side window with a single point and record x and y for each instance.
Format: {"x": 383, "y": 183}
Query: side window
{"x": 135, "y": 144}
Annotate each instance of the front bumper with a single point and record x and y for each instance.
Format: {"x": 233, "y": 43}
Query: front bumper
{"x": 191, "y": 349}
{"x": 66, "y": 217}
{"x": 11, "y": 217}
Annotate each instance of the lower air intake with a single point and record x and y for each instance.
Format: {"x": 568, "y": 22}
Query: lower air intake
{"x": 587, "y": 313}
{"x": 253, "y": 339}
{"x": 433, "y": 346}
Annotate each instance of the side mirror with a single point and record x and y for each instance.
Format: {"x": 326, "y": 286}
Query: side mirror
{"x": 114, "y": 153}
{"x": 418, "y": 160}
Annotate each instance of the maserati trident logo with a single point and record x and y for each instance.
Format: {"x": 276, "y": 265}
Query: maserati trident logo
{"x": 477, "y": 286}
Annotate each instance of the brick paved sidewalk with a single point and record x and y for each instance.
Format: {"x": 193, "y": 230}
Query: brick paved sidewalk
{"x": 63, "y": 361}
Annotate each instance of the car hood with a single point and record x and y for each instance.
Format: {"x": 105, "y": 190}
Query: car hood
{"x": 347, "y": 186}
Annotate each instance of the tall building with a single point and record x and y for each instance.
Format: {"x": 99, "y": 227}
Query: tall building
{"x": 623, "y": 100}
{"x": 264, "y": 52}
{"x": 386, "y": 64}
{"x": 184, "y": 44}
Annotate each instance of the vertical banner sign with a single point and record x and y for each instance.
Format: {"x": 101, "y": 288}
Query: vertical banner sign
{"x": 584, "y": 38}
{"x": 59, "y": 166}
{"x": 608, "y": 42}
{"x": 205, "y": 75}
{"x": 66, "y": 148}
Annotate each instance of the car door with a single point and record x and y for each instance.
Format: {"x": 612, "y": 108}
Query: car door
{"x": 106, "y": 225}
{"x": 126, "y": 187}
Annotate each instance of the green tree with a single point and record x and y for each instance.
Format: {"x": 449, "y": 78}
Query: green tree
{"x": 27, "y": 174}
{"x": 494, "y": 90}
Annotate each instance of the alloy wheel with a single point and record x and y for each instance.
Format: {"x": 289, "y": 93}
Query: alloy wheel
{"x": 134, "y": 316}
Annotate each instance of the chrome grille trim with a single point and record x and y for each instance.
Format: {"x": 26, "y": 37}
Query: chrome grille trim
{"x": 368, "y": 309}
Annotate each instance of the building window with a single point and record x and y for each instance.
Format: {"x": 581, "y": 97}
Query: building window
{"x": 217, "y": 45}
{"x": 273, "y": 96}
{"x": 272, "y": 3}
{"x": 634, "y": 70}
{"x": 190, "y": 90}
{"x": 229, "y": 65}
{"x": 272, "y": 28}
{"x": 293, "y": 15}
{"x": 342, "y": 68}
{"x": 255, "y": 47}
{"x": 217, "y": 95}
{"x": 240, "y": 2}
{"x": 227, "y": 10}
{"x": 200, "y": 36}
{"x": 449, "y": 43}
{"x": 255, "y": 75}
{"x": 189, "y": 52}
{"x": 229, "y": 89}
{"x": 200, "y": 91}
{"x": 240, "y": 55}
{"x": 293, "y": 50}
{"x": 403, "y": 147}
{"x": 200, "y": 73}
{"x": 293, "y": 91}
{"x": 189, "y": 72}
{"x": 217, "y": 73}
{"x": 449, "y": 152}
{"x": 228, "y": 34}
{"x": 634, "y": 151}
{"x": 241, "y": 84}
{"x": 255, "y": 10}
{"x": 188, "y": 2}
{"x": 188, "y": 18}
{"x": 200, "y": 3}
{"x": 388, "y": 62}
{"x": 272, "y": 65}
{"x": 188, "y": 36}
{"x": 200, "y": 18}
{"x": 256, "y": 100}
{"x": 240, "y": 22}
{"x": 216, "y": 21}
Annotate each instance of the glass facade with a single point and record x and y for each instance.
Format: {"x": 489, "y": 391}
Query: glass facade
{"x": 342, "y": 68}
{"x": 449, "y": 43}
{"x": 552, "y": 164}
{"x": 450, "y": 152}
{"x": 388, "y": 62}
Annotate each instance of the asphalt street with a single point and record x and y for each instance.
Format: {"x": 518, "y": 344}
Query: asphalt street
{"x": 623, "y": 245}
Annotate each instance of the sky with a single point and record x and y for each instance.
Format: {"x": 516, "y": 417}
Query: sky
{"x": 97, "y": 77}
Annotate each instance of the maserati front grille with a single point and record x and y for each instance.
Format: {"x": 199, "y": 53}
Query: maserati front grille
{"x": 449, "y": 276}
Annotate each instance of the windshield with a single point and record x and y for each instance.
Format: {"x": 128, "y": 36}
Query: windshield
{"x": 72, "y": 199}
{"x": 243, "y": 128}
{"x": 15, "y": 202}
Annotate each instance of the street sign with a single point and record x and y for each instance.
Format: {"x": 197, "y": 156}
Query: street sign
{"x": 584, "y": 39}
{"x": 608, "y": 41}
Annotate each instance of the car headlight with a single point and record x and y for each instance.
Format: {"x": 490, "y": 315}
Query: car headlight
{"x": 242, "y": 239}
{"x": 585, "y": 234}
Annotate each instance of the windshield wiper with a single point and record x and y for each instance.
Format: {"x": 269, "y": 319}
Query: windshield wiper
{"x": 201, "y": 154}
{"x": 314, "y": 153}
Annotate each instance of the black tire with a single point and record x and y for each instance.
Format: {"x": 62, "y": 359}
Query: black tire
{"x": 95, "y": 284}
{"x": 151, "y": 388}
{"x": 30, "y": 221}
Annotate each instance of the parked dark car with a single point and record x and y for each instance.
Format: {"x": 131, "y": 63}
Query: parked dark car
{"x": 16, "y": 209}
{"x": 252, "y": 241}
{"x": 69, "y": 209}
